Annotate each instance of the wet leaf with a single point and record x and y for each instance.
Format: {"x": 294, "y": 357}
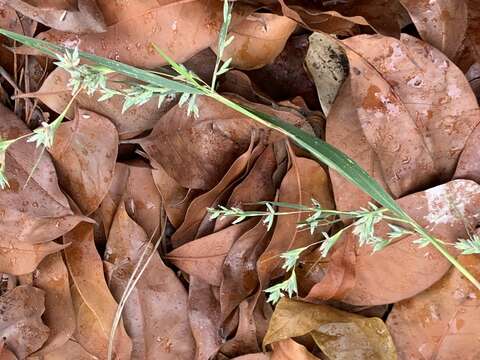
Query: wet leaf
{"x": 340, "y": 335}
{"x": 258, "y": 40}
{"x": 93, "y": 303}
{"x": 21, "y": 325}
{"x": 52, "y": 277}
{"x": 84, "y": 153}
{"x": 55, "y": 94}
{"x": 157, "y": 300}
{"x": 306, "y": 180}
{"x": 133, "y": 28}
{"x": 204, "y": 257}
{"x": 37, "y": 212}
{"x": 441, "y": 322}
{"x": 447, "y": 211}
{"x": 328, "y": 65}
{"x": 467, "y": 167}
{"x": 442, "y": 23}
{"x": 84, "y": 17}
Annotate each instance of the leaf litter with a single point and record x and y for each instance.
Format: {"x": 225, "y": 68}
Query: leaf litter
{"x": 226, "y": 213}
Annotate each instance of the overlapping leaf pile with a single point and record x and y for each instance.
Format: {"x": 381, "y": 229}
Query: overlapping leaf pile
{"x": 72, "y": 235}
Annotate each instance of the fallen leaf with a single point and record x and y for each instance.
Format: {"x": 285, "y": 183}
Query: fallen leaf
{"x": 258, "y": 40}
{"x": 175, "y": 198}
{"x": 55, "y": 93}
{"x": 133, "y": 28}
{"x": 203, "y": 313}
{"x": 447, "y": 211}
{"x": 70, "y": 350}
{"x": 442, "y": 23}
{"x": 340, "y": 335}
{"x": 6, "y": 354}
{"x": 52, "y": 277}
{"x": 38, "y": 211}
{"x": 21, "y": 326}
{"x": 94, "y": 305}
{"x": 289, "y": 349}
{"x": 158, "y": 299}
{"x": 84, "y": 153}
{"x": 204, "y": 257}
{"x": 306, "y": 180}
{"x": 85, "y": 17}
{"x": 467, "y": 166}
{"x": 257, "y": 356}
{"x": 441, "y": 322}
{"x": 327, "y": 63}
{"x": 240, "y": 277}
{"x": 54, "y": 4}
{"x": 197, "y": 213}
{"x": 340, "y": 17}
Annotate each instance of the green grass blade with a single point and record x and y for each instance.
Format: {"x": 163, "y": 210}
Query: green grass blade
{"x": 128, "y": 70}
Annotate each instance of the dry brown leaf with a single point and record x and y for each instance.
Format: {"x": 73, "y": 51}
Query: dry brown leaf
{"x": 467, "y": 167}
{"x": 257, "y": 356}
{"x": 39, "y": 211}
{"x": 55, "y": 94}
{"x": 175, "y": 198}
{"x": 54, "y": 4}
{"x": 94, "y": 305}
{"x": 156, "y": 311}
{"x": 258, "y": 40}
{"x": 70, "y": 350}
{"x": 134, "y": 26}
{"x": 340, "y": 335}
{"x": 197, "y": 221}
{"x": 6, "y": 354}
{"x": 204, "y": 257}
{"x": 257, "y": 186}
{"x": 384, "y": 16}
{"x": 84, "y": 153}
{"x": 85, "y": 17}
{"x": 21, "y": 326}
{"x": 240, "y": 278}
{"x": 289, "y": 349}
{"x": 447, "y": 211}
{"x": 203, "y": 314}
{"x": 442, "y": 23}
{"x": 442, "y": 322}
{"x": 306, "y": 180}
{"x": 52, "y": 277}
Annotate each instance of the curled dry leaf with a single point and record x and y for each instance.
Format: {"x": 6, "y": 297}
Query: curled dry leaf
{"x": 52, "y": 277}
{"x": 447, "y": 211}
{"x": 258, "y": 40}
{"x": 93, "y": 303}
{"x": 340, "y": 335}
{"x": 31, "y": 214}
{"x": 442, "y": 23}
{"x": 21, "y": 325}
{"x": 84, "y": 153}
{"x": 442, "y": 322}
{"x": 134, "y": 26}
{"x": 467, "y": 167}
{"x": 175, "y": 198}
{"x": 306, "y": 180}
{"x": 156, "y": 311}
{"x": 55, "y": 94}
{"x": 289, "y": 349}
{"x": 204, "y": 257}
{"x": 85, "y": 17}
{"x": 327, "y": 63}
{"x": 344, "y": 17}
